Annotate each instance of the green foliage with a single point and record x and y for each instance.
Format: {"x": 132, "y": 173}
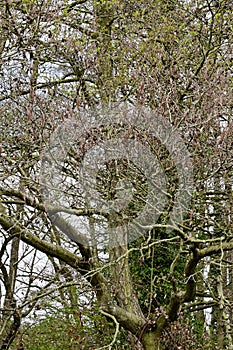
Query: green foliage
{"x": 71, "y": 331}
{"x": 151, "y": 271}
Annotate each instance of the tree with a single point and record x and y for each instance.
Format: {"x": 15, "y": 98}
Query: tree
{"x": 57, "y": 62}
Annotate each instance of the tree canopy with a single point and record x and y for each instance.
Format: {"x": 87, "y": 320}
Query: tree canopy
{"x": 152, "y": 81}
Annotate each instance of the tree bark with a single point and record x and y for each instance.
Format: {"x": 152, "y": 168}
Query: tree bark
{"x": 105, "y": 17}
{"x": 151, "y": 341}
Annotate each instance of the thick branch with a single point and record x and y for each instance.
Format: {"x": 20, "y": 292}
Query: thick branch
{"x": 215, "y": 249}
{"x": 45, "y": 247}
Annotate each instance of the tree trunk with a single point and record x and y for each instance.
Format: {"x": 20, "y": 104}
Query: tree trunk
{"x": 105, "y": 17}
{"x": 151, "y": 340}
